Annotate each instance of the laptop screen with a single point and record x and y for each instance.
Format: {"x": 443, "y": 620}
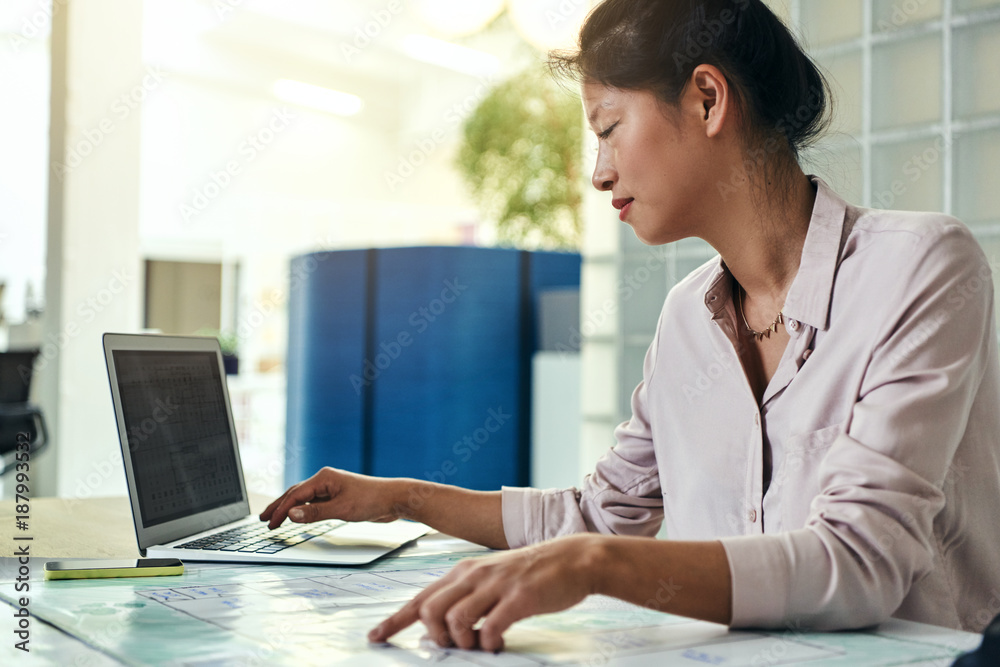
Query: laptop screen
{"x": 182, "y": 450}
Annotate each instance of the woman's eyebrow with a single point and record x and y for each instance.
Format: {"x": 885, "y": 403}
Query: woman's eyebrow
{"x": 595, "y": 112}
{"x": 592, "y": 116}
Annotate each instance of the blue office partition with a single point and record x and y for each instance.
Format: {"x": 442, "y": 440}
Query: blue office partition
{"x": 459, "y": 309}
{"x": 327, "y": 313}
{"x": 416, "y": 362}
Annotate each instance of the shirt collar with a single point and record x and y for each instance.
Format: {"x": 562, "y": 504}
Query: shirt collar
{"x": 809, "y": 296}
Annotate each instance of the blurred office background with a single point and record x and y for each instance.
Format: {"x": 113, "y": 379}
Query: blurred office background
{"x": 164, "y": 160}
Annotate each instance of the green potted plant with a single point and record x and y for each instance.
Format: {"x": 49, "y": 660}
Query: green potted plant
{"x": 520, "y": 154}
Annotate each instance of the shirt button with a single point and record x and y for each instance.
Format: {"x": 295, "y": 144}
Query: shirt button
{"x": 752, "y": 516}
{"x": 805, "y": 355}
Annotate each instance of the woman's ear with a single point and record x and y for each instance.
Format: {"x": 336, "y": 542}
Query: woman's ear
{"x": 708, "y": 91}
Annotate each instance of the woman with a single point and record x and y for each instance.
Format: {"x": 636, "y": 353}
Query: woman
{"x": 817, "y": 422}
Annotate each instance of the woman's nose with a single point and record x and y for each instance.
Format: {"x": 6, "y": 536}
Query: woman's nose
{"x": 604, "y": 174}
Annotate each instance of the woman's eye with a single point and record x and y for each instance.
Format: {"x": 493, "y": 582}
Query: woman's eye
{"x": 607, "y": 133}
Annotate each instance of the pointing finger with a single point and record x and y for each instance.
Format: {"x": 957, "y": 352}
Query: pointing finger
{"x": 404, "y": 618}
{"x": 409, "y": 613}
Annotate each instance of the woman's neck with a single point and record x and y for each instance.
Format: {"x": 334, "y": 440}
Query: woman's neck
{"x": 760, "y": 238}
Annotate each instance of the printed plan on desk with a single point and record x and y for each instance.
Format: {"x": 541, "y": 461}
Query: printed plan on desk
{"x": 237, "y": 614}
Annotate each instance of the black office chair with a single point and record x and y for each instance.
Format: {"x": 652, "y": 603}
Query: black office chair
{"x": 988, "y": 653}
{"x": 19, "y": 419}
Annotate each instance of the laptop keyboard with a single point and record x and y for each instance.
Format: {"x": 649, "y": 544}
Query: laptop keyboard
{"x": 258, "y": 539}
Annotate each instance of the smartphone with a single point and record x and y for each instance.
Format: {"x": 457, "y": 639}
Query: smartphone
{"x": 98, "y": 569}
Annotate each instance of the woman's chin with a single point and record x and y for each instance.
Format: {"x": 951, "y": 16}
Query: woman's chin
{"x": 654, "y": 237}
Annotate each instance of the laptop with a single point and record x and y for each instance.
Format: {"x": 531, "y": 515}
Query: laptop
{"x": 182, "y": 464}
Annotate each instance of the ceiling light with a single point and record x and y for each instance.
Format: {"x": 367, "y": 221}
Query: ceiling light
{"x": 317, "y": 97}
{"x": 445, "y": 54}
{"x": 454, "y": 18}
{"x": 548, "y": 24}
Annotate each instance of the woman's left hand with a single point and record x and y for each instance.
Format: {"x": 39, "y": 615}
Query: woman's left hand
{"x": 500, "y": 589}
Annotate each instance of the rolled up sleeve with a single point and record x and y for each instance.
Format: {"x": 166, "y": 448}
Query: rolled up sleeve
{"x": 870, "y": 532}
{"x": 621, "y": 497}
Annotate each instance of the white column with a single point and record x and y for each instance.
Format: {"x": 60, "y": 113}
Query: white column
{"x": 600, "y": 312}
{"x": 93, "y": 278}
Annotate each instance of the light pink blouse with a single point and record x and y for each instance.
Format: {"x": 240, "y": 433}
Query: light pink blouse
{"x": 883, "y": 422}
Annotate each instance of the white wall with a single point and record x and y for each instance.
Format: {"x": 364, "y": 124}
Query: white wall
{"x": 24, "y": 75}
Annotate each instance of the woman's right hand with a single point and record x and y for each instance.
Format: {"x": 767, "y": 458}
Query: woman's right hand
{"x": 476, "y": 516}
{"x": 334, "y": 494}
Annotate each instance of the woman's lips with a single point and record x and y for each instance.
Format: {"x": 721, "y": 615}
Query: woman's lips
{"x": 623, "y": 205}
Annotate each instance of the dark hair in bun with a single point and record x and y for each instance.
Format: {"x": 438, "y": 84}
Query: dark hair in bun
{"x": 655, "y": 45}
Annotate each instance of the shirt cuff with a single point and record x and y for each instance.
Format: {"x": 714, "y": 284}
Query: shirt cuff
{"x": 516, "y": 504}
{"x": 759, "y": 567}
{"x": 533, "y": 515}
